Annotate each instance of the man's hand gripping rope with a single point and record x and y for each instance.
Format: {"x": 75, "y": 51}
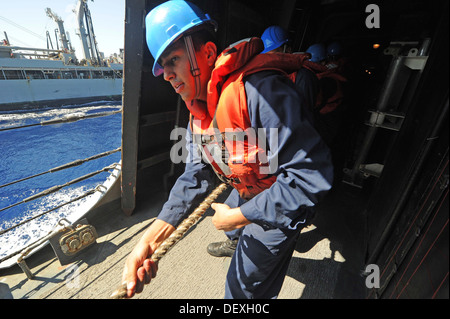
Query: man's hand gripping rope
{"x": 194, "y": 217}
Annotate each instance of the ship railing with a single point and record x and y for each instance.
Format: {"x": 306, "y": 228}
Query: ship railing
{"x": 56, "y": 188}
{"x": 117, "y": 73}
{"x": 35, "y": 52}
{"x": 36, "y": 73}
{"x": 50, "y": 191}
{"x": 66, "y": 119}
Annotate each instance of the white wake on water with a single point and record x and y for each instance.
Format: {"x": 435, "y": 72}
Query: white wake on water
{"x": 18, "y": 238}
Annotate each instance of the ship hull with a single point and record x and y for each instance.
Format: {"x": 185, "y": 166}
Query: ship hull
{"x": 31, "y": 94}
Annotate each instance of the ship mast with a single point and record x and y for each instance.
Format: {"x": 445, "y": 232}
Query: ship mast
{"x": 60, "y": 23}
{"x": 86, "y": 33}
{"x": 63, "y": 37}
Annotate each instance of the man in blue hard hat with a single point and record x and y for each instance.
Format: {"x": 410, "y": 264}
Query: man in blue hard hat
{"x": 318, "y": 53}
{"x": 336, "y": 57}
{"x": 321, "y": 84}
{"x": 334, "y": 51}
{"x": 318, "y": 82}
{"x": 268, "y": 209}
{"x": 276, "y": 39}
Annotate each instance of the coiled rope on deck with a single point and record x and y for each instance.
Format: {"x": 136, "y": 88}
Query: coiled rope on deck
{"x": 178, "y": 233}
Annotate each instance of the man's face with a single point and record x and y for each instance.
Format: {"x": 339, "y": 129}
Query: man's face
{"x": 177, "y": 71}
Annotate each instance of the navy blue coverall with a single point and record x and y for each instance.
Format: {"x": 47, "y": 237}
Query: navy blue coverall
{"x": 304, "y": 174}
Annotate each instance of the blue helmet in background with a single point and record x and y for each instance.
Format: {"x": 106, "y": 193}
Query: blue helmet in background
{"x": 334, "y": 48}
{"x": 274, "y": 37}
{"x": 167, "y": 22}
{"x": 318, "y": 52}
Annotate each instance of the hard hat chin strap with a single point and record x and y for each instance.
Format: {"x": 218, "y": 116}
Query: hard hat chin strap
{"x": 195, "y": 70}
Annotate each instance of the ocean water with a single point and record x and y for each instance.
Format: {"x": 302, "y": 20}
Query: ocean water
{"x": 32, "y": 150}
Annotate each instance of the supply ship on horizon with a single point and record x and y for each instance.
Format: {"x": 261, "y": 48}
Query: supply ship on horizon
{"x": 37, "y": 77}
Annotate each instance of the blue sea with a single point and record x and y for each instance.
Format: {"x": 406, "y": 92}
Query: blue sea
{"x": 31, "y": 150}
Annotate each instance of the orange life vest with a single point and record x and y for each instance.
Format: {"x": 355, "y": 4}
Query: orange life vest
{"x": 223, "y": 127}
{"x": 325, "y": 105}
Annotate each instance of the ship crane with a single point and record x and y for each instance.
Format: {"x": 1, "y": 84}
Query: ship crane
{"x": 60, "y": 23}
{"x": 86, "y": 33}
{"x": 63, "y": 37}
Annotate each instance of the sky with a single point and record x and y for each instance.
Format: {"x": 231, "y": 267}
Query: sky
{"x": 26, "y": 23}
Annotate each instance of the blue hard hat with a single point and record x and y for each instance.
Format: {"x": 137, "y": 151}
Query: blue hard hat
{"x": 274, "y": 37}
{"x": 167, "y": 22}
{"x": 317, "y": 52}
{"x": 334, "y": 48}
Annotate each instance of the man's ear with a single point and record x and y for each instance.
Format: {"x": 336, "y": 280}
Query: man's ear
{"x": 210, "y": 50}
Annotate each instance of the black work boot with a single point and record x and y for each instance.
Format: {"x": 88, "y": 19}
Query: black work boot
{"x": 223, "y": 248}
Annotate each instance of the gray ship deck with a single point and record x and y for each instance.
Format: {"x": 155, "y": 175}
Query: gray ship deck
{"x": 326, "y": 263}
